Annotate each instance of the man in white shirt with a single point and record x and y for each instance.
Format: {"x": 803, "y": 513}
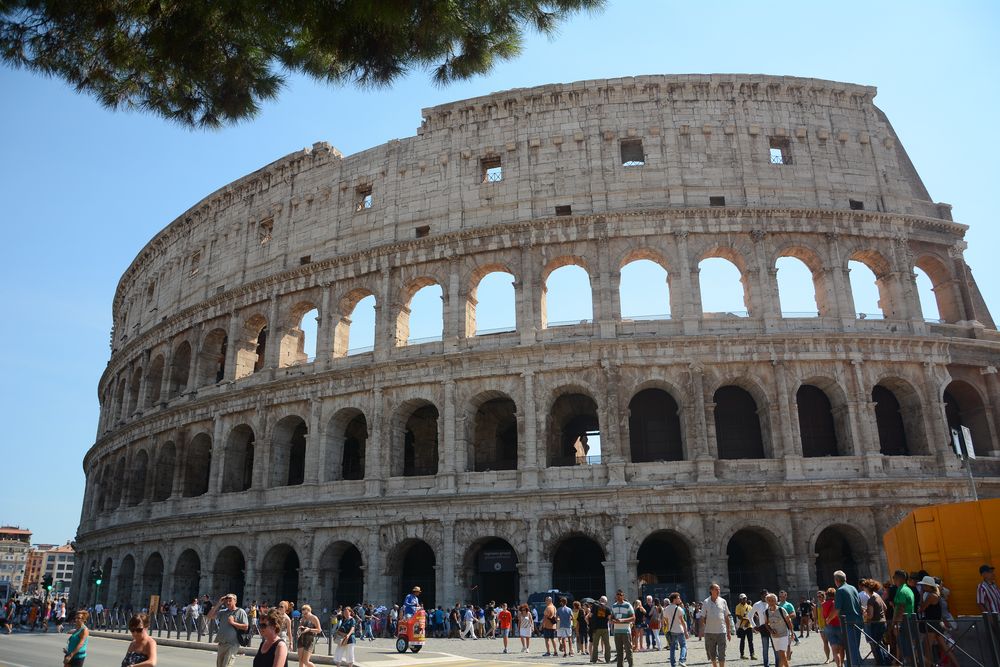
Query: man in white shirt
{"x": 718, "y": 628}
{"x": 675, "y": 626}
{"x": 758, "y": 619}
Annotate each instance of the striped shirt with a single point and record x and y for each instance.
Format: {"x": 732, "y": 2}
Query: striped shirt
{"x": 988, "y": 595}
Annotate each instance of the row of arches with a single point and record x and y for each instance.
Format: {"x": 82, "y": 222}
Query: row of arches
{"x": 798, "y": 283}
{"x": 489, "y": 569}
{"x": 658, "y": 429}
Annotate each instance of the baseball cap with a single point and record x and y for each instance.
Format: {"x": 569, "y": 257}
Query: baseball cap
{"x": 986, "y": 567}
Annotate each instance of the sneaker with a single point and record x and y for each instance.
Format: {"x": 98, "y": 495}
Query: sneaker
{"x": 546, "y": 654}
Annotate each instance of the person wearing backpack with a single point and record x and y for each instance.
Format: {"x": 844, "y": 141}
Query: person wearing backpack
{"x": 778, "y": 625}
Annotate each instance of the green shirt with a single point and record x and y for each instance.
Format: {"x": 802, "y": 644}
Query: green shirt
{"x": 904, "y": 599}
{"x": 788, "y": 607}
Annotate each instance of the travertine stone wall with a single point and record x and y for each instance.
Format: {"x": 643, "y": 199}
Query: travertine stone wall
{"x": 165, "y": 473}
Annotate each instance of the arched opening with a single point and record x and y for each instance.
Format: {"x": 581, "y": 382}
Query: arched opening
{"x": 421, "y": 320}
{"x": 753, "y": 562}
{"x": 180, "y": 370}
{"x": 665, "y": 565}
{"x": 133, "y": 391}
{"x": 492, "y": 305}
{"x": 118, "y": 488}
{"x": 963, "y": 406}
{"x": 817, "y": 427}
{"x": 494, "y": 441}
{"x": 187, "y": 577}
{"x": 415, "y": 563}
{"x": 198, "y": 466}
{"x": 137, "y": 480}
{"x": 126, "y": 580}
{"x": 119, "y": 407}
{"x": 279, "y": 576}
{"x": 154, "y": 381}
{"x": 938, "y": 290}
{"x": 152, "y": 576}
{"x": 925, "y": 293}
{"x": 288, "y": 452}
{"x": 252, "y": 347}
{"x": 103, "y": 590}
{"x": 654, "y": 427}
{"x": 578, "y": 567}
{"x": 566, "y": 297}
{"x": 491, "y": 572}
{"x": 354, "y": 333}
{"x": 574, "y": 436}
{"x": 238, "y": 472}
{"x": 163, "y": 482}
{"x": 104, "y": 489}
{"x": 212, "y": 366}
{"x": 298, "y": 342}
{"x": 737, "y": 424}
{"x": 867, "y": 291}
{"x": 892, "y": 437}
{"x": 834, "y": 551}
{"x": 420, "y": 441}
{"x": 723, "y": 292}
{"x": 229, "y": 573}
{"x": 352, "y": 463}
{"x": 797, "y": 288}
{"x": 644, "y": 291}
{"x": 341, "y": 575}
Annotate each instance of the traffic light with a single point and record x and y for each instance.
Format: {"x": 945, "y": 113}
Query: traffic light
{"x": 47, "y": 582}
{"x": 98, "y": 576}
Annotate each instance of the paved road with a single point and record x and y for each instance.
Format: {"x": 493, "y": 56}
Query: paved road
{"x": 36, "y": 650}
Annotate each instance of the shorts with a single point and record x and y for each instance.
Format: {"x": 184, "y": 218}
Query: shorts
{"x": 306, "y": 641}
{"x": 780, "y": 643}
{"x": 548, "y": 633}
{"x": 563, "y": 633}
{"x": 344, "y": 653}
{"x": 832, "y": 633}
{"x": 505, "y": 632}
{"x": 715, "y": 646}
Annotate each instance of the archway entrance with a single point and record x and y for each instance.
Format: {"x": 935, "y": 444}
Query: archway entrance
{"x": 152, "y": 577}
{"x": 341, "y": 573}
{"x": 187, "y": 577}
{"x": 280, "y": 575}
{"x": 834, "y": 551}
{"x": 491, "y": 572}
{"x": 230, "y": 574}
{"x": 417, "y": 567}
{"x": 126, "y": 580}
{"x": 578, "y": 567}
{"x": 665, "y": 565}
{"x": 752, "y": 563}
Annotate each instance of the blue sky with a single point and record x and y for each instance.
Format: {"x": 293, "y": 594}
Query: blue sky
{"x": 84, "y": 188}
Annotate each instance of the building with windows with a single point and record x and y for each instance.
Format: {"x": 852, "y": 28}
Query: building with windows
{"x": 59, "y": 562}
{"x": 33, "y": 568}
{"x": 15, "y": 543}
{"x": 755, "y": 445}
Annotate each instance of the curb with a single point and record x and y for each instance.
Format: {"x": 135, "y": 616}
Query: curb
{"x": 205, "y": 646}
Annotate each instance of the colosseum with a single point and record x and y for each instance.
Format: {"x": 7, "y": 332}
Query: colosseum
{"x": 753, "y": 447}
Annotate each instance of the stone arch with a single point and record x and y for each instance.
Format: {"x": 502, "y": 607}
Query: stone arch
{"x": 578, "y": 565}
{"x": 125, "y": 580}
{"x": 644, "y": 287}
{"x": 490, "y": 568}
{"x": 410, "y": 563}
{"x": 472, "y": 301}
{"x": 822, "y": 297}
{"x": 493, "y": 444}
{"x": 187, "y": 576}
{"x": 881, "y": 270}
{"x": 154, "y": 382}
{"x": 163, "y": 480}
{"x": 119, "y": 407}
{"x": 839, "y": 547}
{"x": 964, "y": 406}
{"x": 409, "y": 292}
{"x": 137, "y": 479}
{"x": 898, "y": 417}
{"x": 343, "y": 341}
{"x": 573, "y": 420}
{"x": 104, "y": 590}
{"x": 240, "y": 449}
{"x": 734, "y": 257}
{"x": 103, "y": 487}
{"x": 943, "y": 285}
{"x": 418, "y": 441}
{"x": 198, "y": 465}
{"x": 251, "y": 348}
{"x": 740, "y": 411}
{"x": 551, "y": 267}
{"x": 346, "y": 445}
{"x": 341, "y": 573}
{"x": 293, "y": 346}
{"x": 665, "y": 560}
{"x": 654, "y": 426}
{"x": 288, "y": 451}
{"x": 755, "y": 560}
{"x": 229, "y": 573}
{"x": 180, "y": 370}
{"x": 279, "y": 574}
{"x": 212, "y": 364}
{"x": 152, "y": 576}
{"x": 134, "y": 387}
{"x": 820, "y": 428}
{"x": 118, "y": 488}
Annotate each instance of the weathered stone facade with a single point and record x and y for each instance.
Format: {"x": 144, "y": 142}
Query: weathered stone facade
{"x": 225, "y": 459}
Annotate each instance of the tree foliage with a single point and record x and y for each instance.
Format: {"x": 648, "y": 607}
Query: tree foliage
{"x": 207, "y": 63}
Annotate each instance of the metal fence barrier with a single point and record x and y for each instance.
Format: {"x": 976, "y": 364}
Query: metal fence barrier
{"x": 972, "y": 641}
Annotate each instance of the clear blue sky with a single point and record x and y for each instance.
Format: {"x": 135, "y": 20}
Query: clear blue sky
{"x": 84, "y": 188}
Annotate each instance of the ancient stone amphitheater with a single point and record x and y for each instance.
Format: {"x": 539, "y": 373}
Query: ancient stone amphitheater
{"x": 753, "y": 448}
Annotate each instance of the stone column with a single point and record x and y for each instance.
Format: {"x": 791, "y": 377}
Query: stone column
{"x": 385, "y": 317}
{"x": 180, "y": 444}
{"x": 449, "y": 573}
{"x": 233, "y": 343}
{"x": 275, "y": 332}
{"x": 453, "y": 328}
{"x": 620, "y": 558}
{"x": 533, "y": 578}
{"x": 448, "y": 455}
{"x": 961, "y": 271}
{"x": 690, "y": 298}
{"x": 140, "y": 400}
{"x": 528, "y": 295}
{"x": 376, "y": 583}
{"x": 791, "y": 445}
{"x": 762, "y": 284}
{"x": 324, "y": 330}
{"x": 697, "y": 444}
{"x": 529, "y": 463}
{"x": 251, "y": 585}
{"x": 314, "y": 443}
{"x": 935, "y": 417}
{"x": 376, "y": 449}
{"x": 993, "y": 408}
{"x": 219, "y": 453}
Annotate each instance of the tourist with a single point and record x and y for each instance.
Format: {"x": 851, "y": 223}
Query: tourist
{"x": 285, "y": 629}
{"x": 653, "y": 623}
{"x": 875, "y": 619}
{"x": 597, "y": 621}
{"x": 345, "y": 638}
{"x": 141, "y": 651}
{"x": 309, "y": 627}
{"x": 674, "y": 619}
{"x": 549, "y": 623}
{"x": 525, "y": 627}
{"x": 903, "y": 604}
{"x": 76, "y": 646}
{"x": 848, "y": 607}
{"x": 744, "y": 630}
{"x": 805, "y": 617}
{"x": 622, "y": 618}
{"x": 60, "y": 614}
{"x": 988, "y": 594}
{"x": 564, "y": 629}
{"x": 231, "y": 620}
{"x": 932, "y": 628}
{"x": 504, "y": 621}
{"x": 779, "y": 626}
{"x": 757, "y": 622}
{"x": 831, "y": 622}
{"x": 581, "y": 628}
{"x": 639, "y": 627}
{"x": 469, "y": 624}
{"x": 821, "y": 624}
{"x": 790, "y": 610}
{"x": 273, "y": 650}
{"x": 717, "y": 626}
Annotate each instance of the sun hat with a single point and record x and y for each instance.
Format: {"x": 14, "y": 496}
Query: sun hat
{"x": 928, "y": 581}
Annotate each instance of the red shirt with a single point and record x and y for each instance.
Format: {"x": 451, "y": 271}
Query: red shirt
{"x": 827, "y": 610}
{"x": 504, "y": 618}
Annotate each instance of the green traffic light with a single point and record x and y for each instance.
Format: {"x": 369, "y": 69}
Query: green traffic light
{"x": 98, "y": 582}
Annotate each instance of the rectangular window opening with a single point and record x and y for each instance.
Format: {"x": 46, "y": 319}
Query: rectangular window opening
{"x": 632, "y": 153}
{"x": 856, "y": 205}
{"x": 491, "y": 169}
{"x": 716, "y": 201}
{"x": 781, "y": 150}
{"x": 363, "y": 198}
{"x": 305, "y": 259}
{"x": 423, "y": 231}
{"x": 565, "y": 209}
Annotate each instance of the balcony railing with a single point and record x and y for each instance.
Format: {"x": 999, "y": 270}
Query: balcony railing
{"x": 564, "y": 461}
